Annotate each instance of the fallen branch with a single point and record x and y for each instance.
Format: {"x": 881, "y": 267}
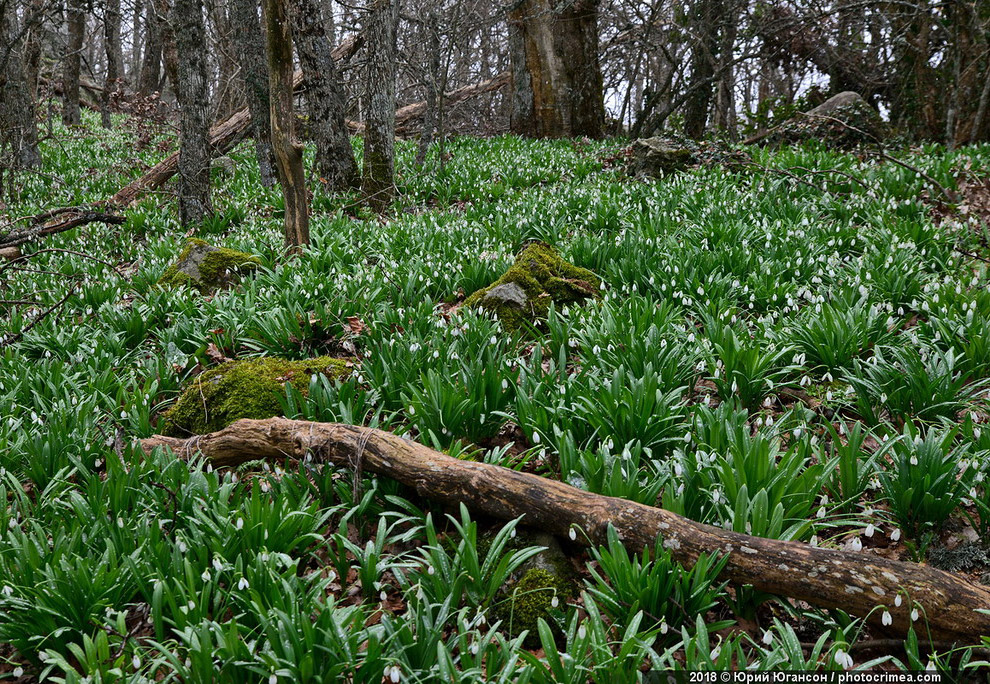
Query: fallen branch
{"x": 42, "y": 225}
{"x": 224, "y": 136}
{"x": 854, "y": 582}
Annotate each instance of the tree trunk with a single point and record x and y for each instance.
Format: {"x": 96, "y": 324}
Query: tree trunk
{"x": 557, "y": 79}
{"x": 325, "y": 99}
{"x": 854, "y": 582}
{"x": 254, "y": 73}
{"x": 223, "y": 137}
{"x": 194, "y": 125}
{"x": 228, "y": 96}
{"x": 71, "y": 65}
{"x": 111, "y": 39}
{"x": 703, "y": 56}
{"x": 433, "y": 87}
{"x": 170, "y": 47}
{"x": 288, "y": 150}
{"x": 18, "y": 127}
{"x": 150, "y": 80}
{"x": 378, "y": 183}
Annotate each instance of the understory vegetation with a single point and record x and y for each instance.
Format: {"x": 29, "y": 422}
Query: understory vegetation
{"x": 796, "y": 359}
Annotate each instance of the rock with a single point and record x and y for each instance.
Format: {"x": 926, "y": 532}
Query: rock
{"x": 664, "y": 156}
{"x": 843, "y": 120}
{"x": 225, "y": 166}
{"x": 208, "y": 268}
{"x": 250, "y": 388}
{"x": 659, "y": 157}
{"x": 530, "y": 598}
{"x": 506, "y": 294}
{"x": 10, "y": 253}
{"x": 538, "y": 276}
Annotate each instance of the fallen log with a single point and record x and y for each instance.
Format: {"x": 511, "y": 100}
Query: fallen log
{"x": 56, "y": 221}
{"x": 855, "y": 582}
{"x": 224, "y": 136}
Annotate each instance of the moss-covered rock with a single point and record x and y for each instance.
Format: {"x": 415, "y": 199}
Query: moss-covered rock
{"x": 208, "y": 268}
{"x": 251, "y": 388}
{"x": 531, "y": 598}
{"x": 539, "y": 276}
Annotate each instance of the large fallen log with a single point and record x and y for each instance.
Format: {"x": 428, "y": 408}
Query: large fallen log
{"x": 224, "y": 136}
{"x": 55, "y": 221}
{"x": 855, "y": 582}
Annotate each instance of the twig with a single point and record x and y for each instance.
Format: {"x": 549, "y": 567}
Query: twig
{"x": 42, "y": 316}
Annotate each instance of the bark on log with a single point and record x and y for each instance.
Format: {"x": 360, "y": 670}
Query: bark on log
{"x": 223, "y": 137}
{"x": 854, "y": 582}
{"x": 65, "y": 219}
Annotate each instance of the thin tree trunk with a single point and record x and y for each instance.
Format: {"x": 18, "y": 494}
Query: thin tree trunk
{"x": 433, "y": 87}
{"x": 194, "y": 125}
{"x": 76, "y": 19}
{"x": 378, "y": 183}
{"x": 254, "y": 73}
{"x": 32, "y": 48}
{"x": 288, "y": 150}
{"x": 325, "y": 99}
{"x": 150, "y": 80}
{"x": 857, "y": 583}
{"x": 111, "y": 38}
{"x": 170, "y": 47}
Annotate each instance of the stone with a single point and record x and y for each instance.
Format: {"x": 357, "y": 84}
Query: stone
{"x": 208, "y": 268}
{"x": 10, "y": 253}
{"x": 248, "y": 388}
{"x": 225, "y": 166}
{"x": 842, "y": 121}
{"x": 539, "y": 276}
{"x": 661, "y": 157}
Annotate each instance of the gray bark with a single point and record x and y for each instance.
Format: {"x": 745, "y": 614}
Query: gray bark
{"x": 18, "y": 127}
{"x": 254, "y": 74}
{"x": 325, "y": 98}
{"x": 111, "y": 40}
{"x": 151, "y": 66}
{"x": 76, "y": 20}
{"x": 194, "y": 125}
{"x": 378, "y": 184}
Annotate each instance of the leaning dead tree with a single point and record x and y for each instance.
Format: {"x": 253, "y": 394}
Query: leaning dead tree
{"x": 854, "y": 582}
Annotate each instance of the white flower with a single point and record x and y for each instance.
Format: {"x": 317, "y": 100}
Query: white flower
{"x": 394, "y": 674}
{"x": 843, "y": 659}
{"x": 870, "y": 529}
{"x": 886, "y": 618}
{"x": 273, "y": 679}
{"x": 572, "y": 533}
{"x": 582, "y": 632}
{"x": 18, "y": 672}
{"x": 555, "y": 602}
{"x": 664, "y": 627}
{"x": 895, "y": 535}
{"x": 914, "y": 615}
{"x": 768, "y": 637}
{"x": 856, "y": 544}
{"x": 242, "y": 583}
{"x": 897, "y": 600}
{"x": 135, "y": 661}
{"x": 239, "y": 524}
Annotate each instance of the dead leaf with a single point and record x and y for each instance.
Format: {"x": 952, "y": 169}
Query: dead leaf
{"x": 356, "y": 325}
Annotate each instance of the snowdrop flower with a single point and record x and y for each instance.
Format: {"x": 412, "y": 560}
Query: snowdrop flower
{"x": 914, "y": 615}
{"x": 870, "y": 529}
{"x": 239, "y": 524}
{"x": 582, "y": 632}
{"x": 897, "y": 600}
{"x": 895, "y": 534}
{"x": 242, "y": 583}
{"x": 554, "y": 602}
{"x": 135, "y": 661}
{"x": 856, "y": 544}
{"x": 273, "y": 679}
{"x": 844, "y": 659}
{"x": 768, "y": 637}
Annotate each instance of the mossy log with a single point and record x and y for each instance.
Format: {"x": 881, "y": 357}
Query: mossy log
{"x": 854, "y": 582}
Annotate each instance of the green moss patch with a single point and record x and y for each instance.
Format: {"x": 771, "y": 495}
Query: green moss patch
{"x": 207, "y": 268}
{"x": 531, "y": 598}
{"x": 251, "y": 388}
{"x": 538, "y": 276}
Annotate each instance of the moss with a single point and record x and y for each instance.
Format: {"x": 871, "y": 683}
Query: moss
{"x": 544, "y": 277}
{"x": 243, "y": 389}
{"x": 531, "y": 598}
{"x": 214, "y": 269}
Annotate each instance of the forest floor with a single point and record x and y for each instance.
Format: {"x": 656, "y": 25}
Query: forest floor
{"x": 797, "y": 350}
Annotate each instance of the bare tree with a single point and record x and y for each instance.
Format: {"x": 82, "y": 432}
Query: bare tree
{"x": 113, "y": 49}
{"x": 18, "y": 129}
{"x": 288, "y": 150}
{"x": 254, "y": 75}
{"x": 378, "y": 184}
{"x": 325, "y": 98}
{"x": 71, "y": 65}
{"x": 193, "y": 95}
